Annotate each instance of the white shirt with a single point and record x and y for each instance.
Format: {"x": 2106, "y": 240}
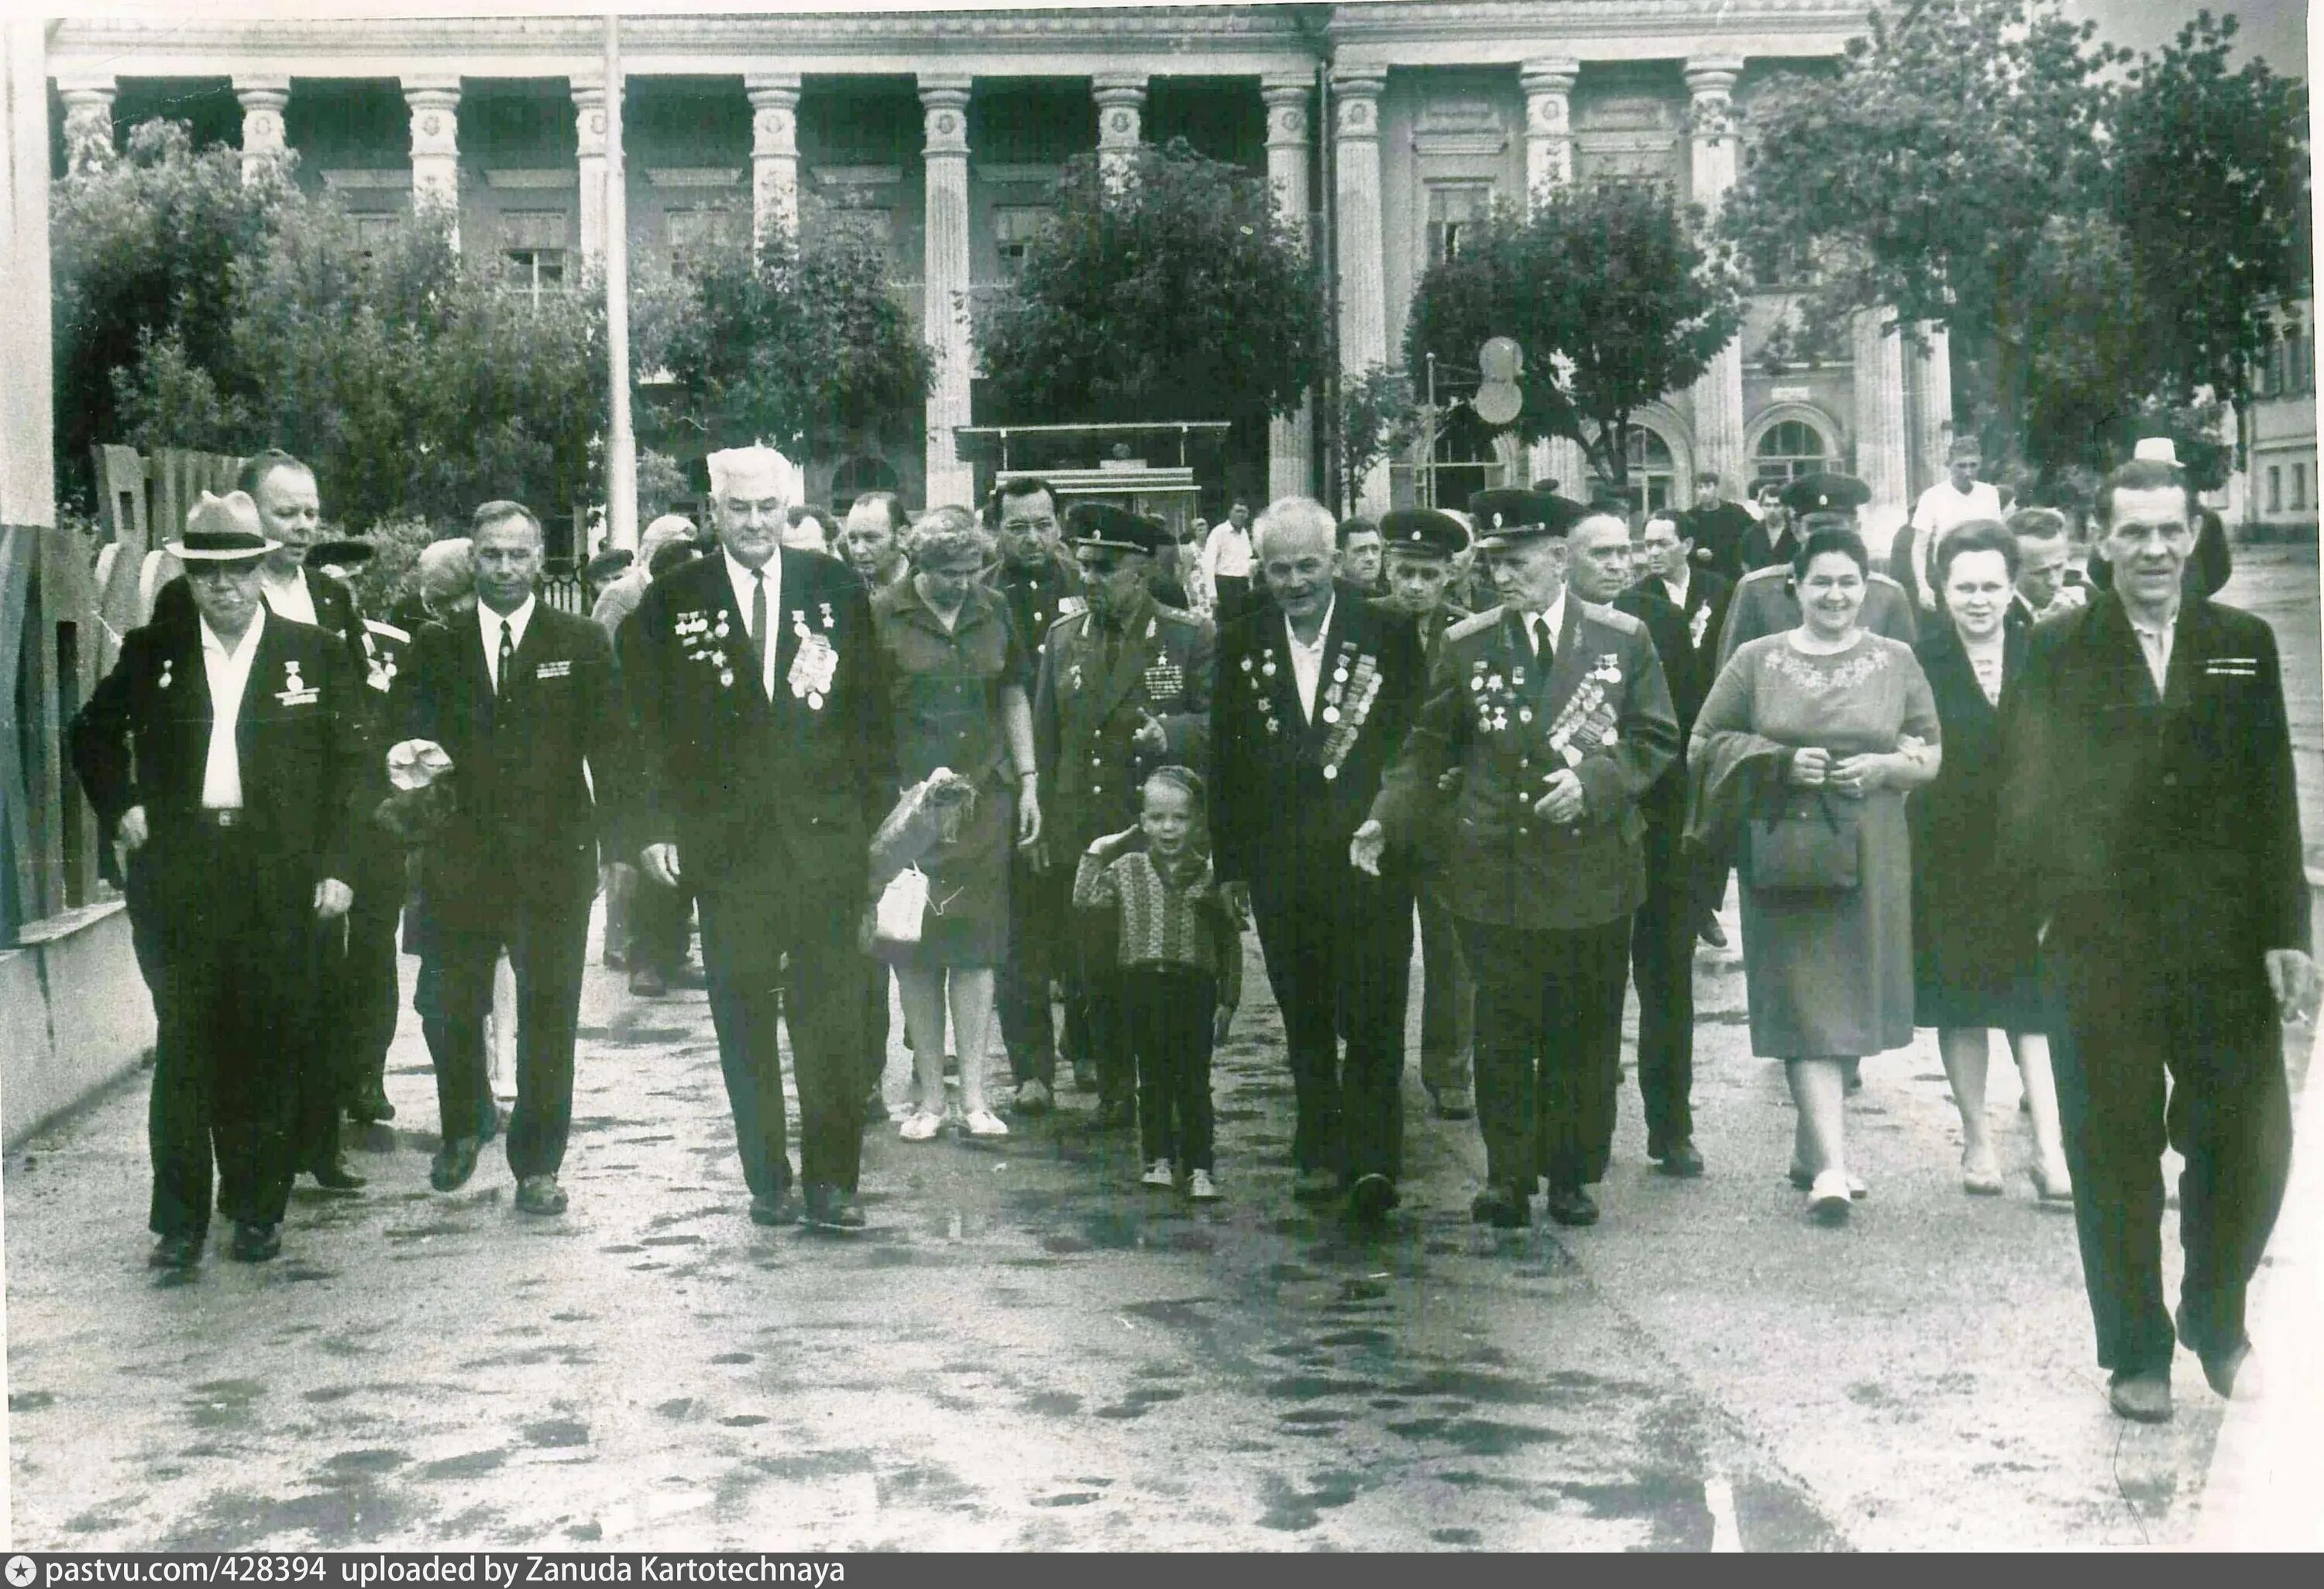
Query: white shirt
{"x": 1308, "y": 661}
{"x": 490, "y": 623}
{"x": 744, "y": 581}
{"x": 228, "y": 672}
{"x": 1227, "y": 552}
{"x": 1678, "y": 587}
{"x": 1940, "y": 510}
{"x": 2154, "y": 644}
{"x": 1544, "y": 646}
{"x": 291, "y": 598}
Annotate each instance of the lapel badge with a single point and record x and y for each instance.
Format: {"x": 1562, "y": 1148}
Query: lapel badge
{"x": 825, "y": 609}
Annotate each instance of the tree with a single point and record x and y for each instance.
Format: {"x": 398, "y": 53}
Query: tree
{"x": 1376, "y": 420}
{"x": 805, "y": 348}
{"x": 1175, "y": 292}
{"x": 1612, "y": 292}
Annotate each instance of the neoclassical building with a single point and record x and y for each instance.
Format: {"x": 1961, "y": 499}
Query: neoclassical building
{"x": 1386, "y": 128}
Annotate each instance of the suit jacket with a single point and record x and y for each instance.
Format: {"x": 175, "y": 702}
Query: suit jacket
{"x": 143, "y": 739}
{"x": 1762, "y": 603}
{"x": 1284, "y": 791}
{"x": 2179, "y": 811}
{"x": 1686, "y": 643}
{"x": 1955, "y": 844}
{"x": 1601, "y": 709}
{"x": 775, "y": 796}
{"x": 336, "y": 613}
{"x": 1718, "y": 533}
{"x": 525, "y": 820}
{"x": 1039, "y": 600}
{"x": 1760, "y": 550}
{"x": 1085, "y": 714}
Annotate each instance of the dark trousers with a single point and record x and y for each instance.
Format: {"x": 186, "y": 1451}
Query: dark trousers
{"x": 876, "y": 976}
{"x": 1549, "y": 1044}
{"x": 1448, "y": 1000}
{"x": 1661, "y": 960}
{"x": 548, "y": 944}
{"x": 234, "y": 950}
{"x": 1167, "y": 1013}
{"x": 659, "y": 919}
{"x": 745, "y": 936}
{"x": 357, "y": 983}
{"x": 1039, "y": 906}
{"x": 1339, "y": 958}
{"x": 2127, "y": 1014}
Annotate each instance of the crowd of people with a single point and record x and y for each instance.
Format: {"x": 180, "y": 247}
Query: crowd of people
{"x": 1041, "y": 760}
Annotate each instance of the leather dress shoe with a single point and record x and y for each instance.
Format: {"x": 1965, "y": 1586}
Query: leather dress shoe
{"x": 875, "y": 1107}
{"x": 175, "y": 1252}
{"x": 1571, "y": 1205}
{"x": 1677, "y": 1158}
{"x": 255, "y": 1244}
{"x": 646, "y": 982}
{"x": 779, "y": 1210}
{"x": 1505, "y": 1208}
{"x": 539, "y": 1194}
{"x": 371, "y": 1106}
{"x": 1370, "y": 1198}
{"x": 2219, "y": 1368}
{"x": 1709, "y": 931}
{"x": 1455, "y": 1103}
{"x": 336, "y": 1177}
{"x": 2142, "y": 1398}
{"x": 828, "y": 1208}
{"x": 454, "y": 1163}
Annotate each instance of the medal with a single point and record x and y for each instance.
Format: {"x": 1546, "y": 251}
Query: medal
{"x": 726, "y": 678}
{"x": 815, "y": 700}
{"x": 1525, "y": 714}
{"x": 1330, "y": 773}
{"x": 1331, "y": 713}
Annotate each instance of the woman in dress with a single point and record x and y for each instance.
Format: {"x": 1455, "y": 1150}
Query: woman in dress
{"x": 959, "y": 675}
{"x": 1812, "y": 737}
{"x": 1972, "y": 934}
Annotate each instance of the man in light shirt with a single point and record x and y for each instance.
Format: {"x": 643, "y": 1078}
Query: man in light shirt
{"x": 225, "y": 752}
{"x": 1227, "y": 561}
{"x": 1958, "y": 498}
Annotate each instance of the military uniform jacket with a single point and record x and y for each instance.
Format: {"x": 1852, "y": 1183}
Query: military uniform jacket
{"x": 143, "y": 740}
{"x": 775, "y": 795}
{"x": 1085, "y": 713}
{"x": 1603, "y": 710}
{"x": 1038, "y": 600}
{"x": 525, "y": 822}
{"x": 1285, "y": 792}
{"x": 1763, "y": 602}
{"x": 1686, "y": 642}
{"x": 2181, "y": 806}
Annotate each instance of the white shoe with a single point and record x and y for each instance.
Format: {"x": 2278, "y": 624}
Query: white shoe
{"x": 1829, "y": 1198}
{"x": 1199, "y": 1186}
{"x": 983, "y": 1123}
{"x": 1158, "y": 1174}
{"x": 920, "y": 1125}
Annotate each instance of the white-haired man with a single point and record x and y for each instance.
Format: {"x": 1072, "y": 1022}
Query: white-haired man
{"x": 770, "y": 752}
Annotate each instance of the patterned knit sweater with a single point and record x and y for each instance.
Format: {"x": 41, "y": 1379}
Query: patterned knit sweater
{"x": 1175, "y": 920}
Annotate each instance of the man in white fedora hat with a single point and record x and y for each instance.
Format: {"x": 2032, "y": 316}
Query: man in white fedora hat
{"x": 770, "y": 752}
{"x": 225, "y": 752}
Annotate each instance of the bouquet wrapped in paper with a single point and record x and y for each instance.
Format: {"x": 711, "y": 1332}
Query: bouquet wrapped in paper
{"x": 422, "y": 799}
{"x": 931, "y": 813}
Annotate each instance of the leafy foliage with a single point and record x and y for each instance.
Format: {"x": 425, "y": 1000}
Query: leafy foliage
{"x": 1378, "y": 419}
{"x": 1175, "y": 293}
{"x": 1610, "y": 292}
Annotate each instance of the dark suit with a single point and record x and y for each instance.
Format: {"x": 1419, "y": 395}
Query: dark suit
{"x": 1662, "y": 932}
{"x": 234, "y": 940}
{"x": 1337, "y": 943}
{"x": 772, "y": 804}
{"x": 1097, "y": 683}
{"x": 364, "y": 1011}
{"x": 1718, "y": 533}
{"x": 516, "y": 865}
{"x": 1543, "y": 909}
{"x": 2162, "y": 837}
{"x": 1448, "y": 993}
{"x": 1761, "y": 549}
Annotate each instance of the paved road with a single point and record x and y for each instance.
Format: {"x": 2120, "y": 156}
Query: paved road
{"x": 1028, "y": 1351}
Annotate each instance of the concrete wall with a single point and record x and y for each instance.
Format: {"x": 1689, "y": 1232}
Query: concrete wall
{"x": 74, "y": 1017}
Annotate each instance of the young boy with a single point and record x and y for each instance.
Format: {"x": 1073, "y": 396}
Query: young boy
{"x": 1180, "y": 969}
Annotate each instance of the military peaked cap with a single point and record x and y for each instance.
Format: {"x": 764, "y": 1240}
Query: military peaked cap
{"x": 1826, "y": 493}
{"x": 1101, "y": 524}
{"x": 1423, "y": 532}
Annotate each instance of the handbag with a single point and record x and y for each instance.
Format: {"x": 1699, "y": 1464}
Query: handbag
{"x": 1810, "y": 845}
{"x": 896, "y": 919}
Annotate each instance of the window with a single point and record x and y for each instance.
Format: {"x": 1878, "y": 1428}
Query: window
{"x": 1454, "y": 210}
{"x": 1788, "y": 450}
{"x": 2299, "y": 488}
{"x": 2274, "y": 489}
{"x": 1014, "y": 228}
{"x": 709, "y": 229}
{"x": 1654, "y": 472}
{"x": 534, "y": 242}
{"x": 2298, "y": 364}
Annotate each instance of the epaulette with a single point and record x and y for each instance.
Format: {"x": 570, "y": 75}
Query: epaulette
{"x": 1474, "y": 624}
{"x": 388, "y": 630}
{"x": 1614, "y": 618}
{"x": 1179, "y": 614}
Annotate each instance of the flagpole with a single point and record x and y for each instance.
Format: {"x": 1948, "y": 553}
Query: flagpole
{"x": 620, "y": 438}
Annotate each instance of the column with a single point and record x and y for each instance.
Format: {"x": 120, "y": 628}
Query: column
{"x": 1880, "y": 434}
{"x": 263, "y": 101}
{"x": 1363, "y": 285}
{"x": 1928, "y": 401}
{"x": 88, "y": 122}
{"x": 1549, "y": 122}
{"x": 774, "y": 152}
{"x": 589, "y": 129}
{"x": 1121, "y": 113}
{"x": 435, "y": 105}
{"x": 943, "y": 108}
{"x": 1718, "y": 391}
{"x": 1290, "y": 439}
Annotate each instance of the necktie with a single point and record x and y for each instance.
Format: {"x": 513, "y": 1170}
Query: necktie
{"x": 1537, "y": 632}
{"x": 759, "y": 621}
{"x": 507, "y": 656}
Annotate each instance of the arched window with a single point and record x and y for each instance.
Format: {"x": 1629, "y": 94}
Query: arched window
{"x": 857, "y": 476}
{"x": 1654, "y": 472}
{"x": 1790, "y": 449}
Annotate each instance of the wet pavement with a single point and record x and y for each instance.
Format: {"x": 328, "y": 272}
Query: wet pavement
{"x": 1027, "y": 1350}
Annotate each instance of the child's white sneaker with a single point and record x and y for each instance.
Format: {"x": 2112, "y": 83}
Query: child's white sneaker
{"x": 1200, "y": 1188}
{"x": 1157, "y": 1174}
{"x": 983, "y": 1123}
{"x": 921, "y": 1126}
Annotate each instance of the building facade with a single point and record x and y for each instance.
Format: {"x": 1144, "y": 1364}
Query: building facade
{"x": 1385, "y": 128}
{"x": 2280, "y": 492}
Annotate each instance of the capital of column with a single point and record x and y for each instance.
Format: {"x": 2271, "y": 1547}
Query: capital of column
{"x": 943, "y": 114}
{"x": 774, "y": 113}
{"x": 88, "y": 121}
{"x": 435, "y": 116}
{"x": 1548, "y": 84}
{"x": 263, "y": 100}
{"x": 1356, "y": 105}
{"x": 1286, "y": 98}
{"x": 589, "y": 118}
{"x": 1711, "y": 82}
